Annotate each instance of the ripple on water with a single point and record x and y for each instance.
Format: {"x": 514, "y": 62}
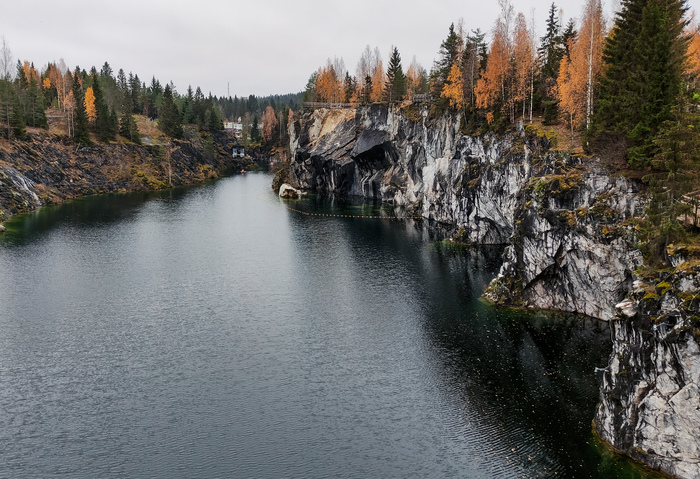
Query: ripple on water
{"x": 213, "y": 333}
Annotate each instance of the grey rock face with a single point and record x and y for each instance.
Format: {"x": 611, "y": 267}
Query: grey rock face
{"x": 16, "y": 192}
{"x": 650, "y": 396}
{"x": 489, "y": 190}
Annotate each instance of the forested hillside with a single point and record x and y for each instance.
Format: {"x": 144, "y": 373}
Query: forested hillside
{"x": 101, "y": 105}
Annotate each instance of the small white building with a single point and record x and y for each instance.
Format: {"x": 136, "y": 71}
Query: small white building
{"x": 238, "y": 151}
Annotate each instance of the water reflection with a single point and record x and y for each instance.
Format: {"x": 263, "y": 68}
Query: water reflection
{"x": 211, "y": 332}
{"x": 90, "y": 211}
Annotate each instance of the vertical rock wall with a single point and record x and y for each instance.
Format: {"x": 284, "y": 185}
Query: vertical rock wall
{"x": 558, "y": 214}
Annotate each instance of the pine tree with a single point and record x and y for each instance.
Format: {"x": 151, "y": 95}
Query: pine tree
{"x": 395, "y": 87}
{"x": 81, "y": 133}
{"x": 169, "y": 120}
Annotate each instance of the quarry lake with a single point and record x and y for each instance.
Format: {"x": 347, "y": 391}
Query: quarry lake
{"x": 214, "y": 332}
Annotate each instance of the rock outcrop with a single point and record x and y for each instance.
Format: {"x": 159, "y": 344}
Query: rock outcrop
{"x": 559, "y": 215}
{"x": 650, "y": 396}
{"x": 564, "y": 221}
{"x": 289, "y": 192}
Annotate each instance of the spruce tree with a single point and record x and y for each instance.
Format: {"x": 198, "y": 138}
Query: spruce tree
{"x": 81, "y": 133}
{"x": 113, "y": 124}
{"x": 22, "y": 80}
{"x": 19, "y": 129}
{"x": 674, "y": 174}
{"x": 103, "y": 121}
{"x": 169, "y": 120}
{"x": 128, "y": 128}
{"x": 34, "y": 106}
{"x": 188, "y": 107}
{"x": 644, "y": 56}
{"x": 551, "y": 48}
{"x": 395, "y": 87}
{"x": 568, "y": 36}
{"x": 135, "y": 89}
{"x": 11, "y": 111}
{"x": 350, "y": 86}
{"x": 127, "y": 124}
{"x": 367, "y": 92}
{"x": 255, "y": 130}
{"x": 449, "y": 53}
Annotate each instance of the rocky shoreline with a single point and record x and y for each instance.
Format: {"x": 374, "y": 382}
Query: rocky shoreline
{"x": 49, "y": 169}
{"x": 570, "y": 247}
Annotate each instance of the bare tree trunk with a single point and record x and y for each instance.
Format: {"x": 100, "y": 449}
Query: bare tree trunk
{"x": 5, "y": 59}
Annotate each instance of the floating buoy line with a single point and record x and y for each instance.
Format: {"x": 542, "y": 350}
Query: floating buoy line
{"x": 333, "y": 215}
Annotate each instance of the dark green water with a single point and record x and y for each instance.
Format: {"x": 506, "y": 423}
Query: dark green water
{"x": 211, "y": 332}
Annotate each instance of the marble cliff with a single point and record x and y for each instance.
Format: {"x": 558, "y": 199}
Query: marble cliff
{"x": 564, "y": 220}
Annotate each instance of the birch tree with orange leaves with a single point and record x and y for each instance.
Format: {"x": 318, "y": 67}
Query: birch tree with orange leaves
{"x": 412, "y": 77}
{"x": 269, "y": 123}
{"x": 30, "y": 71}
{"x": 492, "y": 88}
{"x": 523, "y": 63}
{"x": 416, "y": 79}
{"x": 60, "y": 79}
{"x": 328, "y": 85}
{"x": 378, "y": 77}
{"x": 570, "y": 93}
{"x": 693, "y": 63}
{"x": 90, "y": 104}
{"x": 578, "y": 72}
{"x": 454, "y": 88}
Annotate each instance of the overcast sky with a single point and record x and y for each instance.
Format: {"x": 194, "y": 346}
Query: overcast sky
{"x": 257, "y": 47}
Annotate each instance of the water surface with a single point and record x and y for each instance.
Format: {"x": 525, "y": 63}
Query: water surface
{"x": 212, "y": 332}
